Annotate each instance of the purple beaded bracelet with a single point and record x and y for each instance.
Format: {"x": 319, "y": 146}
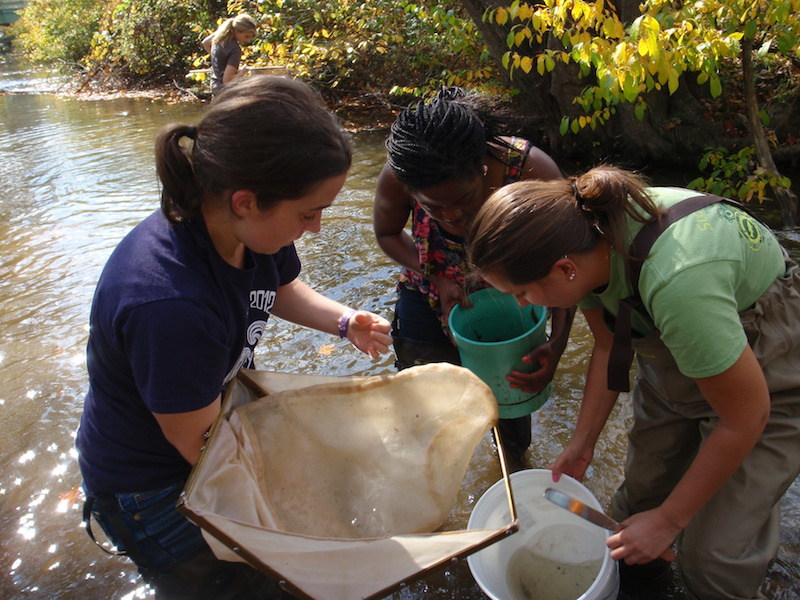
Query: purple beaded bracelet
{"x": 344, "y": 322}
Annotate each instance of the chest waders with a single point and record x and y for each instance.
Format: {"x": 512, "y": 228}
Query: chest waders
{"x": 621, "y": 356}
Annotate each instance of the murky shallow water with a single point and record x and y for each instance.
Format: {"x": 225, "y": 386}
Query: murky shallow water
{"x": 76, "y": 176}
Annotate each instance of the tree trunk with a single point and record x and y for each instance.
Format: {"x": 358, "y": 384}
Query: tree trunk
{"x": 535, "y": 99}
{"x": 786, "y": 198}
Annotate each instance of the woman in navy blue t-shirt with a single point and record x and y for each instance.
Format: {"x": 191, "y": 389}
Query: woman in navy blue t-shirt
{"x": 181, "y": 305}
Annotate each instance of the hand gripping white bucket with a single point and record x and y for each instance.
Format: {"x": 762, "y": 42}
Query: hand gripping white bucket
{"x": 555, "y": 555}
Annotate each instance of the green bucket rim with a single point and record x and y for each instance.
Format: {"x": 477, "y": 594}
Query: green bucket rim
{"x": 457, "y": 309}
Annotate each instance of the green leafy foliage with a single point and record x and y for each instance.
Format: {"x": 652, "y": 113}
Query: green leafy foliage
{"x": 344, "y": 45}
{"x": 58, "y": 30}
{"x": 138, "y": 40}
{"x": 736, "y": 175}
{"x": 407, "y": 47}
{"x": 624, "y": 61}
{"x": 148, "y": 38}
{"x": 665, "y": 43}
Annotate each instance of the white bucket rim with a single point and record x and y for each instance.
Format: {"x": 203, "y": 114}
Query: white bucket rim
{"x": 498, "y": 489}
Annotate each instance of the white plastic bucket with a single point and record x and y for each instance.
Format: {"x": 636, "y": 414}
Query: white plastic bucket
{"x": 555, "y": 554}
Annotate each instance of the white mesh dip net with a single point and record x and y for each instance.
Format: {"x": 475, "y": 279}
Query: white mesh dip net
{"x": 335, "y": 486}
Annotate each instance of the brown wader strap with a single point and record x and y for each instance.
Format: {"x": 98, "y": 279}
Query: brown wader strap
{"x": 621, "y": 356}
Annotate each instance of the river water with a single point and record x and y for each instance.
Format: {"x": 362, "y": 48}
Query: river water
{"x": 76, "y": 175}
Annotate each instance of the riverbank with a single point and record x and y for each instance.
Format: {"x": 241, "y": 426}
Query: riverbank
{"x": 360, "y": 111}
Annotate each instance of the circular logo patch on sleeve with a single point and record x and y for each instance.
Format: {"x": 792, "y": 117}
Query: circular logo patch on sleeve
{"x": 750, "y": 230}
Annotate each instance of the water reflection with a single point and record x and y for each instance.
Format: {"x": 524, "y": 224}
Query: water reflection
{"x": 76, "y": 176}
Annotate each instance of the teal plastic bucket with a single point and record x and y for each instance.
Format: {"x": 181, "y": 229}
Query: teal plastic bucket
{"x": 492, "y": 337}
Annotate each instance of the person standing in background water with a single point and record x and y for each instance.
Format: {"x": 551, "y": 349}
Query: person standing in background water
{"x": 225, "y": 48}
{"x": 444, "y": 158}
{"x": 181, "y": 305}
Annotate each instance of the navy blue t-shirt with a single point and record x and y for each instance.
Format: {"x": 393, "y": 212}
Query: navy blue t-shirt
{"x": 171, "y": 323}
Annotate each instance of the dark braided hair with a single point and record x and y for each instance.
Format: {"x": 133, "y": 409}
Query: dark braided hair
{"x": 441, "y": 140}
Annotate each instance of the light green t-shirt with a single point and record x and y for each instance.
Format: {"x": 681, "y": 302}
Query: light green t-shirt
{"x": 701, "y": 272}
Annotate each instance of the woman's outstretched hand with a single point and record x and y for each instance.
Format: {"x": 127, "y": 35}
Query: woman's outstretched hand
{"x": 370, "y": 333}
{"x": 573, "y": 461}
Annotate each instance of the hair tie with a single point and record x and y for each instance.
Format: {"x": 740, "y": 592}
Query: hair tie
{"x": 191, "y": 132}
{"x": 578, "y": 198}
{"x": 590, "y": 214}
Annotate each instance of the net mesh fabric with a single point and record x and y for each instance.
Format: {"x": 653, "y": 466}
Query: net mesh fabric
{"x": 326, "y": 477}
{"x": 373, "y": 458}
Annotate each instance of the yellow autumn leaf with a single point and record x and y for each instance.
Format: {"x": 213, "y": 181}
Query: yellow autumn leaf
{"x": 501, "y": 16}
{"x": 673, "y": 81}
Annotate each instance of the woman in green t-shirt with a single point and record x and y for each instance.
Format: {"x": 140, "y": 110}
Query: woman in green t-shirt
{"x": 716, "y": 436}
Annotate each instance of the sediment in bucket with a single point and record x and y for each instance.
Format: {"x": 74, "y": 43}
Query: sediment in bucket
{"x": 492, "y": 337}
{"x": 554, "y": 555}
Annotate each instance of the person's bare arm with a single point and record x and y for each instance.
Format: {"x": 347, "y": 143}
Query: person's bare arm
{"x": 229, "y": 74}
{"x": 596, "y": 406}
{"x": 207, "y": 43}
{"x": 539, "y": 165}
{"x": 185, "y": 430}
{"x": 392, "y": 208}
{"x": 299, "y": 303}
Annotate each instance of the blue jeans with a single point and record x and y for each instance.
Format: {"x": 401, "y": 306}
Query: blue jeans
{"x": 160, "y": 534}
{"x": 417, "y": 334}
{"x": 170, "y": 551}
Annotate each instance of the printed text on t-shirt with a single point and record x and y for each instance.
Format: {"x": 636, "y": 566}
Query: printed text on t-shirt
{"x": 262, "y": 299}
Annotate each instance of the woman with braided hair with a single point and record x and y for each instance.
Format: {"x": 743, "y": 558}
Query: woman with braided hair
{"x": 444, "y": 158}
{"x": 183, "y": 301}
